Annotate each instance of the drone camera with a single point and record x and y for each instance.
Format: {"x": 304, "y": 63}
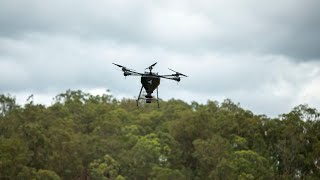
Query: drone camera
{"x": 148, "y": 96}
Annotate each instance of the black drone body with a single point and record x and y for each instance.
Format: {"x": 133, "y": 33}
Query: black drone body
{"x": 150, "y": 81}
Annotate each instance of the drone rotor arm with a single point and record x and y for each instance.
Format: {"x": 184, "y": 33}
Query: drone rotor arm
{"x": 125, "y": 69}
{"x": 134, "y": 73}
{"x": 170, "y": 77}
{"x": 160, "y": 76}
{"x": 177, "y": 73}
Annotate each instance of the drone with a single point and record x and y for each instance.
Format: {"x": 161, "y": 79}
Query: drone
{"x": 150, "y": 81}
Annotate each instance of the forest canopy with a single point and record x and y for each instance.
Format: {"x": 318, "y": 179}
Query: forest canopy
{"x": 84, "y": 136}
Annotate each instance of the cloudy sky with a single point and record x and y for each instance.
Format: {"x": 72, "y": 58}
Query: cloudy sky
{"x": 263, "y": 54}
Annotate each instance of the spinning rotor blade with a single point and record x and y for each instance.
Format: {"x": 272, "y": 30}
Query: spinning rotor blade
{"x": 177, "y": 73}
{"x": 123, "y": 68}
{"x": 118, "y": 65}
{"x": 151, "y": 67}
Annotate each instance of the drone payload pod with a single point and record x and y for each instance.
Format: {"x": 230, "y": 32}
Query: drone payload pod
{"x": 150, "y": 81}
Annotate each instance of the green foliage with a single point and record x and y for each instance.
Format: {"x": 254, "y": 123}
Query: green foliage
{"x": 161, "y": 173}
{"x": 145, "y": 154}
{"x": 81, "y": 136}
{"x": 47, "y": 175}
{"x": 209, "y": 153}
{"x": 14, "y": 157}
{"x": 106, "y": 168}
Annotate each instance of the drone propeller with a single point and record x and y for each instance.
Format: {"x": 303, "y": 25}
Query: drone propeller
{"x": 177, "y": 73}
{"x": 151, "y": 67}
{"x": 118, "y": 65}
{"x": 123, "y": 68}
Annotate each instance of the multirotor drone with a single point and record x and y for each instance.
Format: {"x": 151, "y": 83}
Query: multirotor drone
{"x": 150, "y": 81}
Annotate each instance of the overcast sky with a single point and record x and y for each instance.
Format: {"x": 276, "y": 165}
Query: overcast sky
{"x": 263, "y": 54}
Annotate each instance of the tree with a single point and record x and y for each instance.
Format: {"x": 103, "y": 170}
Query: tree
{"x": 14, "y": 156}
{"x": 47, "y": 175}
{"x": 243, "y": 164}
{"x": 161, "y": 173}
{"x": 145, "y": 154}
{"x": 209, "y": 153}
{"x": 105, "y": 168}
{"x": 81, "y": 136}
{"x": 7, "y": 104}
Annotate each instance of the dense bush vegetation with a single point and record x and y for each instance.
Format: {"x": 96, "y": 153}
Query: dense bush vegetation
{"x": 81, "y": 136}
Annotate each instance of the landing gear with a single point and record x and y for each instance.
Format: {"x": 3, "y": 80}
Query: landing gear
{"x": 148, "y": 97}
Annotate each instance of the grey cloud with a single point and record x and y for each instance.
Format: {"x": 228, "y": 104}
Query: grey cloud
{"x": 42, "y": 66}
{"x": 288, "y": 28}
{"x": 41, "y": 63}
{"x": 44, "y": 62}
{"x": 99, "y": 19}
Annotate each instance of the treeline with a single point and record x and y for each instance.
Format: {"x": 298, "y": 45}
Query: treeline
{"x": 81, "y": 136}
